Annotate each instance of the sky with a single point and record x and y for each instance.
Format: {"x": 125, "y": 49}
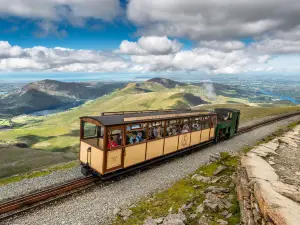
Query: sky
{"x": 149, "y": 37}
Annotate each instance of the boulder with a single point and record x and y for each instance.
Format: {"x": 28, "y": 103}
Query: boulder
{"x": 201, "y": 178}
{"x": 215, "y": 190}
{"x": 125, "y": 213}
{"x": 222, "y": 222}
{"x": 219, "y": 169}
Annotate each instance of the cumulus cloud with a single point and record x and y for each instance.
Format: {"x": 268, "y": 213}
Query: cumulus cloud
{"x": 14, "y": 58}
{"x": 54, "y": 10}
{"x": 201, "y": 59}
{"x": 223, "y": 45}
{"x": 151, "y": 45}
{"x": 220, "y": 19}
{"x": 217, "y": 60}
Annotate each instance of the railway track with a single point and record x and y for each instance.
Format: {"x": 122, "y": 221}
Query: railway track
{"x": 30, "y": 201}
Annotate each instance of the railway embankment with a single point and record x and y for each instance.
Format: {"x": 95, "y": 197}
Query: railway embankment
{"x": 268, "y": 184}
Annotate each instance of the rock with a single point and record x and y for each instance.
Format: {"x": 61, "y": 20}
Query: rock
{"x": 201, "y": 178}
{"x": 222, "y": 222}
{"x": 211, "y": 206}
{"x": 116, "y": 211}
{"x": 226, "y": 203}
{"x": 219, "y": 169}
{"x": 228, "y": 216}
{"x": 224, "y": 213}
{"x": 125, "y": 213}
{"x": 200, "y": 209}
{"x": 216, "y": 179}
{"x": 215, "y": 189}
{"x": 151, "y": 221}
{"x": 297, "y": 173}
{"x": 196, "y": 186}
{"x": 204, "y": 220}
{"x": 170, "y": 210}
{"x": 214, "y": 157}
{"x": 193, "y": 216}
{"x": 174, "y": 219}
{"x": 271, "y": 163}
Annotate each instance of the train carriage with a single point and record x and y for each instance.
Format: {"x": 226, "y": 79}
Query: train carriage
{"x": 120, "y": 140}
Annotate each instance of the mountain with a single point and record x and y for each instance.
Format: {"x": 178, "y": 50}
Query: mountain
{"x": 73, "y": 90}
{"x": 166, "y": 82}
{"x": 28, "y": 102}
{"x": 51, "y": 94}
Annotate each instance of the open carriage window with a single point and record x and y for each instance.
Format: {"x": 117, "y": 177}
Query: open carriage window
{"x": 156, "y": 130}
{"x": 136, "y": 133}
{"x": 185, "y": 126}
{"x": 172, "y": 127}
{"x": 114, "y": 138}
{"x": 196, "y": 126}
{"x": 205, "y": 122}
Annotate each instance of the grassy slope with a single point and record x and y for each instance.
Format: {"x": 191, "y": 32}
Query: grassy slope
{"x": 59, "y": 132}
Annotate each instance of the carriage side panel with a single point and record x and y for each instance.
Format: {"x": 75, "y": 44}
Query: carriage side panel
{"x": 205, "y": 135}
{"x": 155, "y": 149}
{"x": 184, "y": 140}
{"x": 195, "y": 138}
{"x": 134, "y": 154}
{"x": 171, "y": 144}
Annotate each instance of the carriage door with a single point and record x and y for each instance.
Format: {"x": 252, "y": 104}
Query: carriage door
{"x": 114, "y": 148}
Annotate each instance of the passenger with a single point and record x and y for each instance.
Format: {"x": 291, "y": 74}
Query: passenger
{"x": 111, "y": 143}
{"x": 174, "y": 131}
{"x": 169, "y": 131}
{"x": 196, "y": 126}
{"x": 119, "y": 139}
{"x": 133, "y": 138}
{"x": 185, "y": 129}
{"x": 151, "y": 133}
{"x": 140, "y": 136}
{"x": 158, "y": 133}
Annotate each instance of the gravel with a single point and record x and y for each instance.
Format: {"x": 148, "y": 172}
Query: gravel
{"x": 97, "y": 205}
{"x": 30, "y": 185}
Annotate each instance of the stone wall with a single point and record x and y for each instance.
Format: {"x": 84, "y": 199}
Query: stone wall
{"x": 263, "y": 196}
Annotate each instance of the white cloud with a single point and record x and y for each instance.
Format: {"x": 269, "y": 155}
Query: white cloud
{"x": 73, "y": 10}
{"x": 223, "y": 45}
{"x": 212, "y": 20}
{"x": 276, "y": 46}
{"x": 14, "y": 58}
{"x": 217, "y": 60}
{"x": 151, "y": 45}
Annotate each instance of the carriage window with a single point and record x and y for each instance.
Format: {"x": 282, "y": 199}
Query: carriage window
{"x": 172, "y": 128}
{"x": 90, "y": 130}
{"x": 136, "y": 133}
{"x": 156, "y": 130}
{"x": 114, "y": 138}
{"x": 196, "y": 124}
{"x": 185, "y": 126}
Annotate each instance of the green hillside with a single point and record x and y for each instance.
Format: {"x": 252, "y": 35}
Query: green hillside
{"x": 59, "y": 132}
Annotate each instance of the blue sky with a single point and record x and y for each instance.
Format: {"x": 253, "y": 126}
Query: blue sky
{"x": 141, "y": 37}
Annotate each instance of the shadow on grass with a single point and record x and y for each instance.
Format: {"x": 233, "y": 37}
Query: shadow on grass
{"x": 73, "y": 133}
{"x": 73, "y": 149}
{"x": 33, "y": 139}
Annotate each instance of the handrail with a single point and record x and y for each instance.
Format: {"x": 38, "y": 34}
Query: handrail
{"x": 142, "y": 111}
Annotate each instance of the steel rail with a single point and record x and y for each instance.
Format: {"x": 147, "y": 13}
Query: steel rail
{"x": 26, "y": 202}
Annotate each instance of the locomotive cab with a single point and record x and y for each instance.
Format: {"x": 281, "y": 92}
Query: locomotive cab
{"x": 228, "y": 122}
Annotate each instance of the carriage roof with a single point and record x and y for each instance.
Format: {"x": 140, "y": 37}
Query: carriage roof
{"x": 121, "y": 118}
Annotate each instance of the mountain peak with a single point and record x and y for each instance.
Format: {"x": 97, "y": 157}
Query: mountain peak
{"x": 168, "y": 83}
